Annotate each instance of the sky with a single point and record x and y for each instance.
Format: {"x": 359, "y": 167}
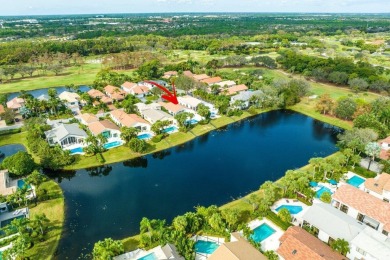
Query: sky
{"x": 47, "y": 7}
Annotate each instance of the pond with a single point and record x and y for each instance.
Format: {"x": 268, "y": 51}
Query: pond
{"x": 43, "y": 91}
{"x": 212, "y": 169}
{"x": 10, "y": 149}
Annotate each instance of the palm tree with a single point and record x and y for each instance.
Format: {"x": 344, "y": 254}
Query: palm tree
{"x": 127, "y": 133}
{"x": 41, "y": 220}
{"x": 340, "y": 245}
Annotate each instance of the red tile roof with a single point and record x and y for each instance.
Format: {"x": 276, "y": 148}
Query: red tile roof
{"x": 298, "y": 244}
{"x": 365, "y": 203}
{"x": 212, "y": 80}
{"x": 1, "y": 109}
{"x": 129, "y": 85}
{"x": 100, "y": 126}
{"x": 200, "y": 76}
{"x": 172, "y": 107}
{"x": 235, "y": 89}
{"x": 379, "y": 184}
{"x": 94, "y": 93}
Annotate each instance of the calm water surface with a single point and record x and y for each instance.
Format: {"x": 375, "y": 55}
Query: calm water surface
{"x": 10, "y": 149}
{"x": 212, "y": 169}
{"x": 37, "y": 92}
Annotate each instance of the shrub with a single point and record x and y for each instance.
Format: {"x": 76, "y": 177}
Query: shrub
{"x": 284, "y": 215}
{"x": 157, "y": 138}
{"x": 364, "y": 172}
{"x": 10, "y": 131}
{"x": 326, "y": 197}
{"x": 252, "y": 110}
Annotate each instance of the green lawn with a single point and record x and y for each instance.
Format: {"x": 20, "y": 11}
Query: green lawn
{"x": 54, "y": 209}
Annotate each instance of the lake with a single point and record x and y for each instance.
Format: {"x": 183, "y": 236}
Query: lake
{"x": 43, "y": 91}
{"x": 11, "y": 149}
{"x": 212, "y": 169}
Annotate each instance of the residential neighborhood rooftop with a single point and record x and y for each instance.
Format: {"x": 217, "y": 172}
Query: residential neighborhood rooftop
{"x": 88, "y": 118}
{"x": 379, "y": 184}
{"x": 172, "y": 107}
{"x": 100, "y": 126}
{"x": 94, "y": 93}
{"x": 298, "y": 244}
{"x": 15, "y": 103}
{"x": 373, "y": 243}
{"x": 211, "y": 81}
{"x": 237, "y": 88}
{"x": 63, "y": 130}
{"x": 363, "y": 202}
{"x": 200, "y": 77}
{"x": 69, "y": 96}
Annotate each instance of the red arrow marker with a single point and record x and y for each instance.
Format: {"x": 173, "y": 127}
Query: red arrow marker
{"x": 171, "y": 97}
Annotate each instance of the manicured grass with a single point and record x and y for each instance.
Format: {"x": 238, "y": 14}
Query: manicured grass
{"x": 54, "y": 210}
{"x": 202, "y": 129}
{"x": 131, "y": 243}
{"x": 19, "y": 138}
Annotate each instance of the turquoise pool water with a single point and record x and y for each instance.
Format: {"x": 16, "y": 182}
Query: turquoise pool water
{"x": 151, "y": 256}
{"x": 144, "y": 136}
{"x": 192, "y": 121}
{"x": 356, "y": 181}
{"x": 76, "y": 150}
{"x": 112, "y": 144}
{"x": 205, "y": 247}
{"x": 322, "y": 190}
{"x": 21, "y": 183}
{"x": 291, "y": 208}
{"x": 262, "y": 232}
{"x": 169, "y": 129}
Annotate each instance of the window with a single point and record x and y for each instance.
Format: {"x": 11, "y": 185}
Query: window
{"x": 384, "y": 232}
{"x": 360, "y": 251}
{"x": 344, "y": 208}
{"x": 386, "y": 200}
{"x": 294, "y": 252}
{"x": 360, "y": 217}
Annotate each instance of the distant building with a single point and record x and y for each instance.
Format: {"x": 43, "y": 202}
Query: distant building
{"x": 7, "y": 185}
{"x": 174, "y": 109}
{"x": 129, "y": 120}
{"x": 385, "y": 148}
{"x": 135, "y": 89}
{"x": 95, "y": 94}
{"x": 235, "y": 89}
{"x": 199, "y": 77}
{"x": 169, "y": 74}
{"x": 70, "y": 99}
{"x": 16, "y": 104}
{"x": 88, "y": 118}
{"x": 189, "y": 102}
{"x": 114, "y": 93}
{"x": 245, "y": 97}
{"x": 211, "y": 81}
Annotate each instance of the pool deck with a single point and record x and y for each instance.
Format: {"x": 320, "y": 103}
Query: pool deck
{"x": 218, "y": 240}
{"x": 271, "y": 242}
{"x": 349, "y": 175}
{"x": 290, "y": 202}
{"x": 332, "y": 188}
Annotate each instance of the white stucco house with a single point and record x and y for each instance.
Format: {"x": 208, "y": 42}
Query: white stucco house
{"x": 66, "y": 135}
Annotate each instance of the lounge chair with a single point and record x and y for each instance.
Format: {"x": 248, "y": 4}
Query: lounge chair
{"x": 287, "y": 201}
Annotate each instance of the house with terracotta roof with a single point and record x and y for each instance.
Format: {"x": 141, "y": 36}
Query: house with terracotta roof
{"x": 2, "y": 110}
{"x": 127, "y": 86}
{"x": 114, "y": 92}
{"x": 330, "y": 224}
{"x": 235, "y": 89}
{"x": 129, "y": 120}
{"x": 139, "y": 91}
{"x": 169, "y": 74}
{"x": 369, "y": 244}
{"x": 95, "y": 94}
{"x": 237, "y": 249}
{"x": 379, "y": 186}
{"x": 188, "y": 73}
{"x": 364, "y": 207}
{"x": 298, "y": 244}
{"x": 87, "y": 118}
{"x": 105, "y": 127}
{"x": 211, "y": 81}
{"x": 174, "y": 109}
{"x": 106, "y": 100}
{"x": 385, "y": 148}
{"x": 16, "y": 104}
{"x": 199, "y": 77}
{"x": 142, "y": 106}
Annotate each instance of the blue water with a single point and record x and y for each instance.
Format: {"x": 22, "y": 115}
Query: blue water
{"x": 151, "y": 256}
{"x": 110, "y": 201}
{"x": 112, "y": 144}
{"x": 192, "y": 121}
{"x": 144, "y": 136}
{"x": 262, "y": 232}
{"x": 76, "y": 150}
{"x": 169, "y": 129}
{"x": 37, "y": 92}
{"x": 291, "y": 208}
{"x": 205, "y": 247}
{"x": 322, "y": 190}
{"x": 356, "y": 181}
{"x": 21, "y": 184}
{"x": 11, "y": 149}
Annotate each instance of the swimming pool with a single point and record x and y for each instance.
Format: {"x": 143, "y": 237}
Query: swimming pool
{"x": 21, "y": 184}
{"x": 76, "y": 150}
{"x": 293, "y": 209}
{"x": 322, "y": 190}
{"x": 205, "y": 247}
{"x": 112, "y": 144}
{"x": 144, "y": 136}
{"x": 356, "y": 181}
{"x": 169, "y": 129}
{"x": 262, "y": 232}
{"x": 192, "y": 121}
{"x": 151, "y": 256}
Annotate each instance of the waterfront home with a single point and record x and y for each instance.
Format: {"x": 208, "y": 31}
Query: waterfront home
{"x": 95, "y": 94}
{"x": 235, "y": 89}
{"x": 189, "y": 102}
{"x": 70, "y": 99}
{"x": 199, "y": 77}
{"x": 211, "y": 81}
{"x": 7, "y": 185}
{"x": 169, "y": 74}
{"x": 379, "y": 186}
{"x": 174, "y": 109}
{"x": 16, "y": 104}
{"x": 152, "y": 116}
{"x": 168, "y": 251}
{"x": 105, "y": 127}
{"x": 296, "y": 244}
{"x": 134, "y": 89}
{"x": 237, "y": 248}
{"x": 142, "y": 106}
{"x": 66, "y": 135}
{"x": 245, "y": 96}
{"x": 385, "y": 148}
{"x": 329, "y": 224}
{"x": 225, "y": 84}
{"x": 129, "y": 120}
{"x": 6, "y": 215}
{"x": 87, "y": 118}
{"x": 364, "y": 207}
{"x": 114, "y": 93}
{"x": 106, "y": 100}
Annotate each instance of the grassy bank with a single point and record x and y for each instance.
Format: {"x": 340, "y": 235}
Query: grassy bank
{"x": 54, "y": 209}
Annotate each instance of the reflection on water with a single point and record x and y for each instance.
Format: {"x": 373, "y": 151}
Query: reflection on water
{"x": 10, "y": 149}
{"x": 212, "y": 169}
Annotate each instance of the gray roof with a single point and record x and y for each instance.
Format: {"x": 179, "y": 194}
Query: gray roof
{"x": 64, "y": 130}
{"x": 156, "y": 115}
{"x": 332, "y": 221}
{"x": 373, "y": 242}
{"x": 43, "y": 97}
{"x": 246, "y": 95}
